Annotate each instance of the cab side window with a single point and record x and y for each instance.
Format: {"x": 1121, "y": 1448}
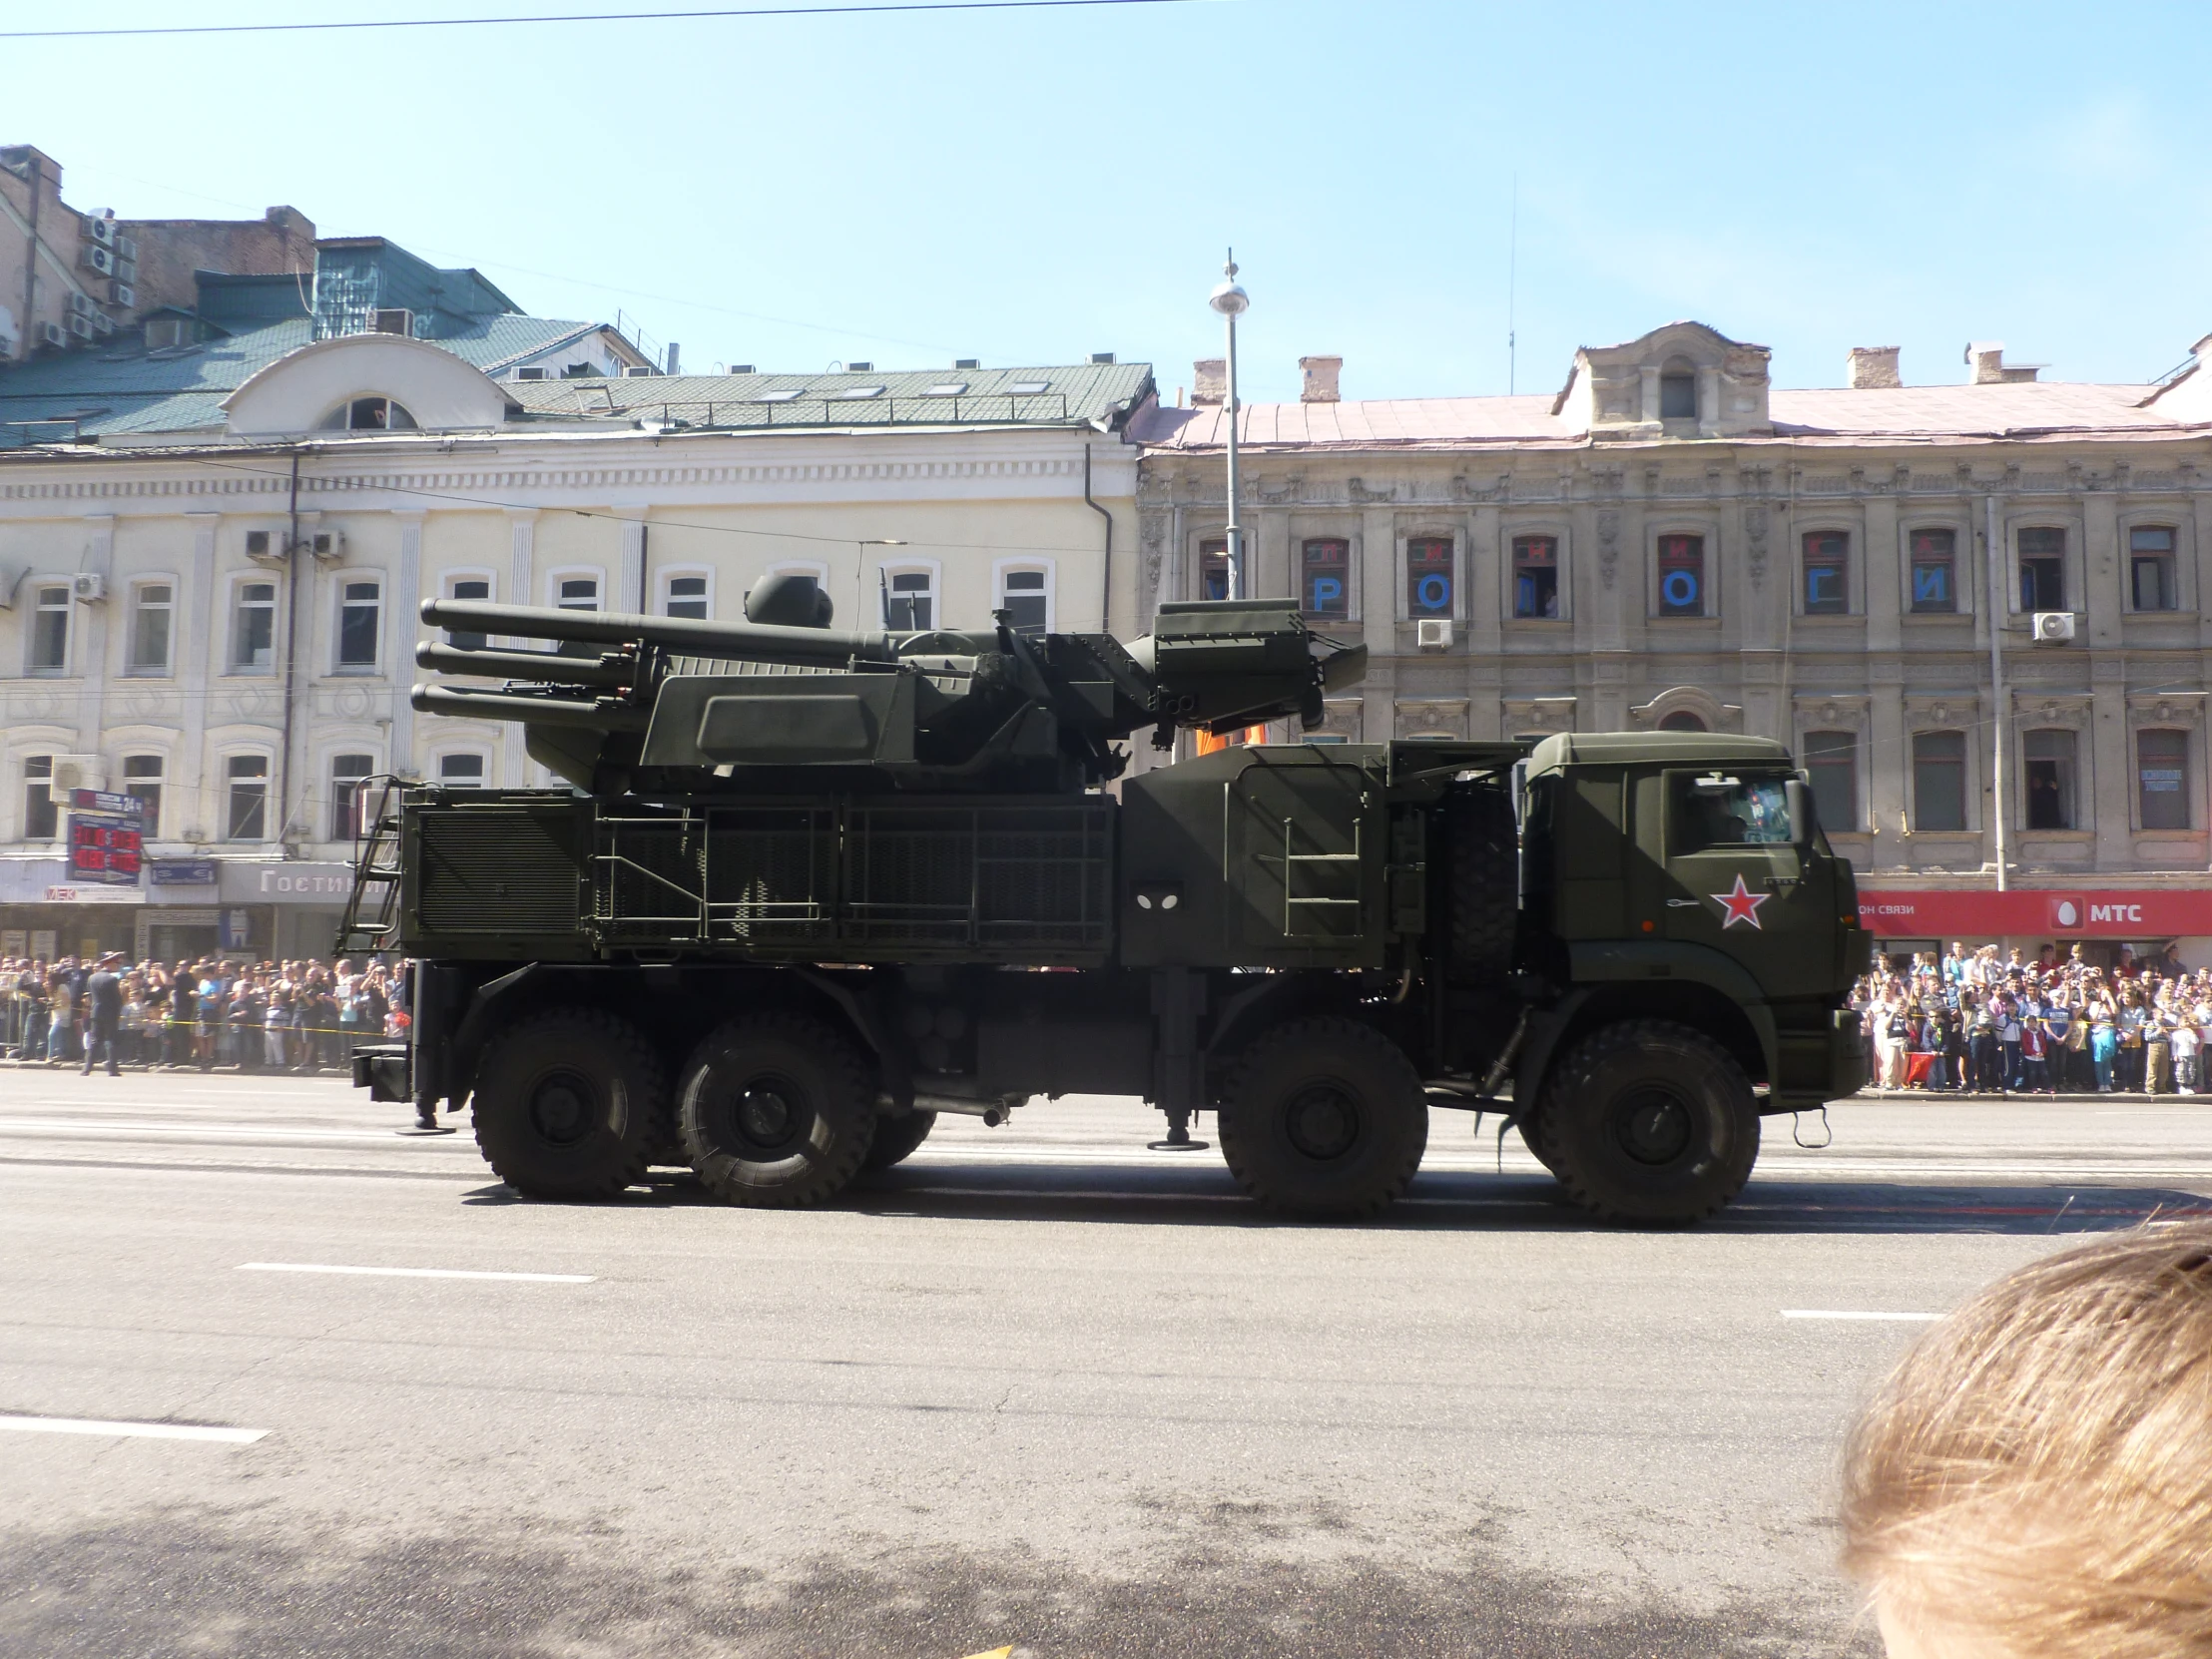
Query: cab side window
{"x": 1722, "y": 809}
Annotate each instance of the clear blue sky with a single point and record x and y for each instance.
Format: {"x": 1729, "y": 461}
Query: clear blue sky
{"x": 1030, "y": 187}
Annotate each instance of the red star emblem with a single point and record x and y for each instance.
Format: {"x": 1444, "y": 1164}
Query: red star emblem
{"x": 1740, "y": 905}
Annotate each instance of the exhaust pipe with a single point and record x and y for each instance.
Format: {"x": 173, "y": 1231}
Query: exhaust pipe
{"x": 992, "y": 1112}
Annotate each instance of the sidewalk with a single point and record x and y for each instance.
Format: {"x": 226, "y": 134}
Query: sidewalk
{"x": 2072, "y": 1096}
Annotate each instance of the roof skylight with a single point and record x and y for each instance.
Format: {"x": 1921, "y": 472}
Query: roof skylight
{"x": 950, "y": 388}
{"x": 854, "y": 393}
{"x": 1029, "y": 389}
{"x": 788, "y": 396}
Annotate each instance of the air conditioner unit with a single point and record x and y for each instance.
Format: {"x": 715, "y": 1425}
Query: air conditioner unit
{"x": 394, "y": 321}
{"x": 122, "y": 293}
{"x": 77, "y": 772}
{"x": 100, "y": 259}
{"x": 88, "y": 587}
{"x": 265, "y": 546}
{"x": 536, "y": 372}
{"x": 125, "y": 270}
{"x": 101, "y": 229}
{"x": 1433, "y": 633}
{"x": 631, "y": 371}
{"x": 126, "y": 247}
{"x": 79, "y": 302}
{"x": 2052, "y": 627}
{"x": 328, "y": 545}
{"x": 52, "y": 333}
{"x": 80, "y": 324}
{"x": 102, "y": 323}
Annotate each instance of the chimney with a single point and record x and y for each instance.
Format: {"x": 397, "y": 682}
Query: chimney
{"x": 1873, "y": 366}
{"x": 675, "y": 357}
{"x": 1986, "y": 358}
{"x": 1322, "y": 375}
{"x": 1209, "y": 381}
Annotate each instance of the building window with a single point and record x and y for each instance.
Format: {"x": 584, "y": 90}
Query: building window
{"x": 2042, "y": 570}
{"x": 1934, "y": 580}
{"x": 2150, "y": 569}
{"x": 1213, "y": 568}
{"x": 1682, "y": 576}
{"x": 346, "y": 772}
{"x": 1682, "y": 720}
{"x": 1678, "y": 395}
{"x": 1026, "y": 597}
{"x": 462, "y": 772}
{"x": 1939, "y": 780}
{"x": 468, "y": 587}
{"x": 153, "y": 605}
{"x": 248, "y": 817}
{"x": 684, "y": 596}
{"x": 909, "y": 599}
{"x": 577, "y": 593}
{"x": 1827, "y": 573}
{"x": 142, "y": 782}
{"x": 2163, "y": 780}
{"x": 1428, "y": 576}
{"x": 1325, "y": 578}
{"x": 2050, "y": 757}
{"x": 41, "y": 821}
{"x": 369, "y": 414}
{"x": 361, "y": 604}
{"x": 50, "y": 631}
{"x": 1831, "y": 766}
{"x": 253, "y": 628}
{"x": 1537, "y": 576}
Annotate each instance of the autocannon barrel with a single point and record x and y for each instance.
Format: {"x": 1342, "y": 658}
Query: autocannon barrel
{"x": 531, "y": 711}
{"x": 744, "y": 641}
{"x": 550, "y": 667}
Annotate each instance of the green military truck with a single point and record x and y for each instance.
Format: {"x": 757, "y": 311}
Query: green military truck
{"x": 810, "y": 889}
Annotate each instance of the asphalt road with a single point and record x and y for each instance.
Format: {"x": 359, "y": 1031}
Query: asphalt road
{"x": 1039, "y": 1386}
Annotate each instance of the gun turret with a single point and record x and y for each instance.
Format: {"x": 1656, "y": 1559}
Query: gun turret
{"x": 678, "y": 704}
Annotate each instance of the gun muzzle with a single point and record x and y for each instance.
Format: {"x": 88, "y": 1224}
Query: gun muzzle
{"x": 755, "y": 641}
{"x": 461, "y": 704}
{"x": 551, "y": 667}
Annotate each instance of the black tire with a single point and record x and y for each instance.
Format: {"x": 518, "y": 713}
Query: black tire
{"x": 1324, "y": 1118}
{"x": 567, "y": 1103}
{"x": 1534, "y": 1134}
{"x": 898, "y": 1139}
{"x": 1483, "y": 882}
{"x": 1648, "y": 1121}
{"x": 777, "y": 1110}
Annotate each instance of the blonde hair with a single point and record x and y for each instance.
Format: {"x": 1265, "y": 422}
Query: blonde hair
{"x": 2038, "y": 1469}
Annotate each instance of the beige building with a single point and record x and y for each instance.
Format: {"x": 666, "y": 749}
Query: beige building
{"x": 1978, "y": 611}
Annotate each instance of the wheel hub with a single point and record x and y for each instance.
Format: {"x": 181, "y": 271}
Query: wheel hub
{"x": 1654, "y": 1126}
{"x": 561, "y": 1109}
{"x": 1322, "y": 1121}
{"x": 767, "y": 1116}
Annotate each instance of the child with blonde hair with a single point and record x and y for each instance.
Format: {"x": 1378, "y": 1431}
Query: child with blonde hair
{"x": 2034, "y": 1480}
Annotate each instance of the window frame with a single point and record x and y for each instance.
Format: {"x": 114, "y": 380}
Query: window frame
{"x": 932, "y": 570}
{"x": 664, "y": 584}
{"x": 576, "y": 573}
{"x": 1962, "y": 593}
{"x": 1529, "y": 530}
{"x": 1810, "y": 764}
{"x": 151, "y": 825}
{"x": 1453, "y": 607}
{"x": 1301, "y": 552}
{"x": 38, "y": 610}
{"x": 235, "y": 606}
{"x": 231, "y": 778}
{"x": 1707, "y": 600}
{"x": 2068, "y": 582}
{"x": 2171, "y": 559}
{"x": 460, "y": 751}
{"x": 2183, "y": 745}
{"x": 452, "y": 579}
{"x": 1048, "y": 569}
{"x": 24, "y": 763}
{"x": 1966, "y": 823}
{"x": 1207, "y": 548}
{"x": 342, "y": 603}
{"x": 1846, "y": 600}
{"x": 331, "y": 780}
{"x": 2072, "y": 797}
{"x": 133, "y": 667}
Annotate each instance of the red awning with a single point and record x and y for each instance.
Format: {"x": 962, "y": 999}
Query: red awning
{"x": 2088, "y": 913}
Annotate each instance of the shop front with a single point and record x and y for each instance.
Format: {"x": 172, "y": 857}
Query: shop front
{"x": 2100, "y": 919}
{"x": 179, "y": 909}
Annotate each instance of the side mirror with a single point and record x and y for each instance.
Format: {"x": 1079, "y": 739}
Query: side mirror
{"x": 1797, "y": 795}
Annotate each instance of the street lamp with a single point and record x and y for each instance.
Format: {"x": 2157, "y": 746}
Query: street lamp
{"x": 1232, "y": 301}
{"x": 860, "y": 570}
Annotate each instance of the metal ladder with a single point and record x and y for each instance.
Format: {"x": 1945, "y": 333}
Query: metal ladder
{"x": 371, "y": 921}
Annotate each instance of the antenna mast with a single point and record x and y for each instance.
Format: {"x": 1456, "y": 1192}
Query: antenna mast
{"x": 1512, "y": 287}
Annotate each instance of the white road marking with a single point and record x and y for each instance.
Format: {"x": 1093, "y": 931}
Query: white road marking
{"x": 69, "y": 1126}
{"x": 1857, "y": 1313}
{"x": 134, "y": 1431}
{"x": 417, "y": 1272}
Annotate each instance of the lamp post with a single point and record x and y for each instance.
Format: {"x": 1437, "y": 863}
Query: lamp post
{"x": 1232, "y": 301}
{"x": 860, "y": 571}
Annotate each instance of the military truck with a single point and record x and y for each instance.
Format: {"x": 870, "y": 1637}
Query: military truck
{"x": 805, "y": 890}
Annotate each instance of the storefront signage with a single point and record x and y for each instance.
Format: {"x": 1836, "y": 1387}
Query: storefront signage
{"x": 2086, "y": 914}
{"x": 104, "y": 839}
{"x": 237, "y": 929}
{"x": 293, "y": 881}
{"x": 94, "y": 896}
{"x": 182, "y": 872}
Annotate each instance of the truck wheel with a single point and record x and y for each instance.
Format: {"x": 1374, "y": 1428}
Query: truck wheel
{"x": 1649, "y": 1121}
{"x": 1536, "y": 1134}
{"x": 1324, "y": 1118}
{"x": 897, "y": 1139}
{"x": 567, "y": 1102}
{"x": 1485, "y": 881}
{"x": 777, "y": 1110}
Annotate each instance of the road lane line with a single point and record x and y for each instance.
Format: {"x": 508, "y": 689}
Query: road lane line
{"x": 1857, "y": 1314}
{"x": 70, "y": 1126}
{"x": 417, "y": 1272}
{"x": 134, "y": 1431}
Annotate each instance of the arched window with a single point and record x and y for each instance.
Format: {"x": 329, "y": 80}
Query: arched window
{"x": 369, "y": 414}
{"x": 1682, "y": 720}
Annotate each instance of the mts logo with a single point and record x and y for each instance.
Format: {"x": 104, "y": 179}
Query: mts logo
{"x": 2075, "y": 911}
{"x": 2115, "y": 912}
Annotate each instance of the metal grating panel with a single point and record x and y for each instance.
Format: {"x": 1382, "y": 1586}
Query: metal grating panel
{"x": 497, "y": 870}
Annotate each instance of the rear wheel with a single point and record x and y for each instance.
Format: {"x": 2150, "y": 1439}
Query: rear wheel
{"x": 777, "y": 1110}
{"x": 1324, "y": 1118}
{"x": 1649, "y": 1121}
{"x": 898, "y": 1139}
{"x": 567, "y": 1102}
{"x": 1535, "y": 1136}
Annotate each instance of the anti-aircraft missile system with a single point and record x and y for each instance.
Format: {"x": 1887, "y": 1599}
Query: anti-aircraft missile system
{"x": 784, "y": 701}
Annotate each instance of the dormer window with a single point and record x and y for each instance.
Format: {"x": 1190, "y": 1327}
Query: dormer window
{"x": 369, "y": 414}
{"x": 1678, "y": 393}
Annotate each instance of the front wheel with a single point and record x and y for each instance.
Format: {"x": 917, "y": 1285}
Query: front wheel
{"x": 1649, "y": 1121}
{"x": 898, "y": 1139}
{"x": 777, "y": 1110}
{"x": 567, "y": 1103}
{"x": 1324, "y": 1118}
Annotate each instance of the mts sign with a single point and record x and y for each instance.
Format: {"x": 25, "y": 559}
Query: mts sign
{"x": 2073, "y": 911}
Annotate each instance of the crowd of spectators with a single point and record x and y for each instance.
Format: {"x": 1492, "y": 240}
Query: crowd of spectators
{"x": 1972, "y": 1023}
{"x": 207, "y": 1014}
